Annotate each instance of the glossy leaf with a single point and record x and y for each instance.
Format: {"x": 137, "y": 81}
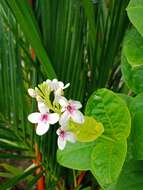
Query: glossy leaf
{"x": 131, "y": 176}
{"x": 132, "y": 60}
{"x": 88, "y": 131}
{"x": 135, "y": 14}
{"x": 107, "y": 160}
{"x": 109, "y": 109}
{"x": 108, "y": 155}
{"x": 76, "y": 156}
{"x": 137, "y": 126}
{"x": 128, "y": 99}
{"x": 132, "y": 172}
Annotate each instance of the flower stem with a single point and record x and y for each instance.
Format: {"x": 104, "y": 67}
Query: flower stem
{"x": 41, "y": 181}
{"x": 74, "y": 178}
{"x": 80, "y": 178}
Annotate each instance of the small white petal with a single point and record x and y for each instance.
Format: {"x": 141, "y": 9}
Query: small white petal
{"x": 53, "y": 118}
{"x": 54, "y": 84}
{"x": 63, "y": 101}
{"x": 61, "y": 84}
{"x": 48, "y": 81}
{"x": 77, "y": 117}
{"x": 55, "y": 80}
{"x": 61, "y": 143}
{"x": 70, "y": 137}
{"x": 42, "y": 128}
{"x": 34, "y": 117}
{"x": 64, "y": 118}
{"x": 59, "y": 92}
{"x": 66, "y": 86}
{"x": 32, "y": 92}
{"x": 63, "y": 109}
{"x": 57, "y": 97}
{"x": 42, "y": 107}
{"x": 75, "y": 104}
{"x": 58, "y": 131}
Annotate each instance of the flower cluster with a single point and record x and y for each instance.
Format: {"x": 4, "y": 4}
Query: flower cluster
{"x": 53, "y": 107}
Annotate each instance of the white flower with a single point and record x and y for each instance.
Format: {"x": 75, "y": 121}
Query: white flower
{"x": 57, "y": 86}
{"x": 43, "y": 119}
{"x": 32, "y": 92}
{"x": 70, "y": 110}
{"x": 64, "y": 136}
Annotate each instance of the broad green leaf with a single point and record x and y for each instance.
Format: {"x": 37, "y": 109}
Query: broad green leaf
{"x": 135, "y": 14}
{"x": 131, "y": 177}
{"x": 137, "y": 126}
{"x": 88, "y": 131}
{"x": 109, "y": 109}
{"x": 107, "y": 160}
{"x": 128, "y": 99}
{"x": 27, "y": 21}
{"x": 132, "y": 172}
{"x": 76, "y": 156}
{"x": 132, "y": 60}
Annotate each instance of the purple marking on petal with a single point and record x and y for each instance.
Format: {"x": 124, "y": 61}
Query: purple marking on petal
{"x": 62, "y": 134}
{"x": 71, "y": 108}
{"x": 44, "y": 118}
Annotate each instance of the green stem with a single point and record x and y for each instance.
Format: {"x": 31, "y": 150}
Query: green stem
{"x": 74, "y": 178}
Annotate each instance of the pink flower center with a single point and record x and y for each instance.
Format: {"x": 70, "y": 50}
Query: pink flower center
{"x": 44, "y": 117}
{"x": 62, "y": 134}
{"x": 70, "y": 108}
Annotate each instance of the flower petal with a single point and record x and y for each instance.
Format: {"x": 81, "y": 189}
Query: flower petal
{"x": 58, "y": 92}
{"x": 66, "y": 86}
{"x": 54, "y": 80}
{"x": 77, "y": 117}
{"x": 42, "y": 107}
{"x": 48, "y": 81}
{"x": 61, "y": 84}
{"x": 34, "y": 117}
{"x": 70, "y": 137}
{"x": 64, "y": 119}
{"x": 32, "y": 92}
{"x": 53, "y": 118}
{"x": 58, "y": 131}
{"x": 61, "y": 143}
{"x": 63, "y": 101}
{"x": 42, "y": 128}
{"x": 75, "y": 104}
